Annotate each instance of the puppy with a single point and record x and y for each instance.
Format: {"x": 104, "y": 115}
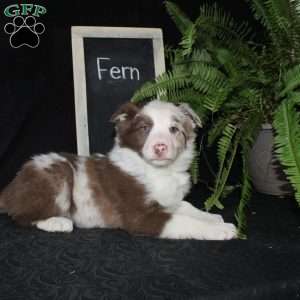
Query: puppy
{"x": 139, "y": 186}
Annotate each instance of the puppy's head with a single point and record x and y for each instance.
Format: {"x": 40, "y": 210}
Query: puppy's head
{"x": 159, "y": 131}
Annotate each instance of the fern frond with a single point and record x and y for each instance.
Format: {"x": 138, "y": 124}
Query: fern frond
{"x": 281, "y": 18}
{"x": 295, "y": 98}
{"x": 170, "y": 53}
{"x": 180, "y": 19}
{"x": 200, "y": 55}
{"x": 172, "y": 80}
{"x": 250, "y": 130}
{"x": 188, "y": 40}
{"x": 227, "y": 147}
{"x": 291, "y": 80}
{"x": 224, "y": 143}
{"x": 249, "y": 133}
{"x": 205, "y": 77}
{"x": 194, "y": 168}
{"x": 213, "y": 19}
{"x": 214, "y": 101}
{"x": 214, "y": 199}
{"x": 217, "y": 129}
{"x": 246, "y": 192}
{"x": 287, "y": 141}
{"x": 199, "y": 76}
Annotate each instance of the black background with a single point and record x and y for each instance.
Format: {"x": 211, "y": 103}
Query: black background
{"x": 37, "y": 97}
{"x": 106, "y": 95}
{"x": 37, "y": 116}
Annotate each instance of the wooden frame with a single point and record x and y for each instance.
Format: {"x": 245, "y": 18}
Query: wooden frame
{"x": 78, "y": 34}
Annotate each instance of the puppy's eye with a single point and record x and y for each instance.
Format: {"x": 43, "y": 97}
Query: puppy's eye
{"x": 144, "y": 128}
{"x": 173, "y": 129}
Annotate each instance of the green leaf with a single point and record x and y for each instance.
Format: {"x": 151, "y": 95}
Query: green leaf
{"x": 227, "y": 147}
{"x": 225, "y": 143}
{"x": 217, "y": 129}
{"x": 188, "y": 40}
{"x": 246, "y": 192}
{"x": 281, "y": 18}
{"x": 178, "y": 16}
{"x": 291, "y": 80}
{"x": 194, "y": 169}
{"x": 173, "y": 80}
{"x": 287, "y": 141}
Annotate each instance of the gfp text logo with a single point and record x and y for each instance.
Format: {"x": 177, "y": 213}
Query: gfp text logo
{"x": 24, "y": 30}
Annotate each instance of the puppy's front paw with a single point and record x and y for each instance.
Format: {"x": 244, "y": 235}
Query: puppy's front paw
{"x": 185, "y": 227}
{"x": 213, "y": 218}
{"x": 224, "y": 231}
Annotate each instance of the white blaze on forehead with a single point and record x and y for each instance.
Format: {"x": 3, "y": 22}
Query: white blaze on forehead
{"x": 162, "y": 113}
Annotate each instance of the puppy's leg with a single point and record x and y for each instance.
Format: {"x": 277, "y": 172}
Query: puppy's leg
{"x": 185, "y": 227}
{"x": 55, "y": 224}
{"x": 188, "y": 209}
{"x": 154, "y": 220}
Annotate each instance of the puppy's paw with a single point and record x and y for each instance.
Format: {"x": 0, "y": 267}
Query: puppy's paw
{"x": 225, "y": 231}
{"x": 213, "y": 218}
{"x": 185, "y": 227}
{"x": 55, "y": 224}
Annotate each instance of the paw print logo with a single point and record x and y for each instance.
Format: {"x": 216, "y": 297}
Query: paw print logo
{"x": 24, "y": 32}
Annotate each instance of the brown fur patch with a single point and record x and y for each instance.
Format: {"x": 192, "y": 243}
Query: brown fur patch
{"x": 71, "y": 158}
{"x": 132, "y": 128}
{"x": 122, "y": 199}
{"x": 31, "y": 195}
{"x": 134, "y": 134}
{"x": 186, "y": 130}
{"x": 129, "y": 110}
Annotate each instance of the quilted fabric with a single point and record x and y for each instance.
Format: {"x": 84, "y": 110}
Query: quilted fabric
{"x": 111, "y": 264}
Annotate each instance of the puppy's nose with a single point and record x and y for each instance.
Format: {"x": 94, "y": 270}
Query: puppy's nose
{"x": 160, "y": 149}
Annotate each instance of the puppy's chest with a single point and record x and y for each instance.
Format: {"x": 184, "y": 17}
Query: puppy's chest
{"x": 168, "y": 190}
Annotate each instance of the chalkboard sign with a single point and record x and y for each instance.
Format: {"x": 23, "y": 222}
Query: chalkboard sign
{"x": 109, "y": 65}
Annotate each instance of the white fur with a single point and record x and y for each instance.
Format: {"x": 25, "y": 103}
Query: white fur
{"x": 187, "y": 209}
{"x": 185, "y": 227}
{"x": 55, "y": 224}
{"x": 45, "y": 161}
{"x": 162, "y": 114}
{"x": 121, "y": 117}
{"x": 166, "y": 185}
{"x": 87, "y": 214}
{"x": 63, "y": 199}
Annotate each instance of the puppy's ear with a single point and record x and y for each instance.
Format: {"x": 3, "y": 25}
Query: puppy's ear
{"x": 126, "y": 112}
{"x": 188, "y": 111}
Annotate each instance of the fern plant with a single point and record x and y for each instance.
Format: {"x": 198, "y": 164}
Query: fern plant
{"x": 281, "y": 19}
{"x": 235, "y": 85}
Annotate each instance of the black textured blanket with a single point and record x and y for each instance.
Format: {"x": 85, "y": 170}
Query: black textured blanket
{"x": 110, "y": 264}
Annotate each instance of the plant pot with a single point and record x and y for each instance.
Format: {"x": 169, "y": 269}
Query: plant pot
{"x": 265, "y": 171}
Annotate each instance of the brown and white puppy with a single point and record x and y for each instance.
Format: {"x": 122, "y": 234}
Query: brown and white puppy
{"x": 139, "y": 186}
